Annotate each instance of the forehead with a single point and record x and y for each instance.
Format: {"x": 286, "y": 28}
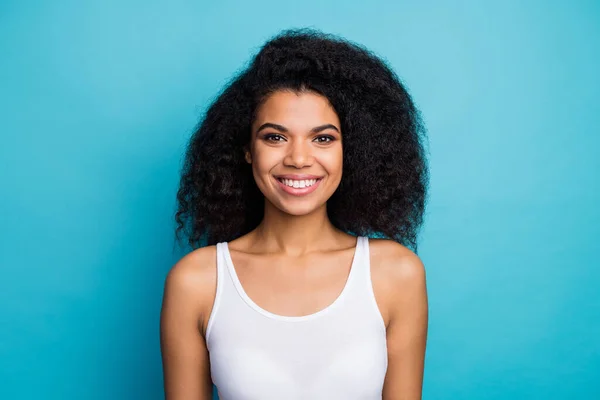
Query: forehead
{"x": 302, "y": 110}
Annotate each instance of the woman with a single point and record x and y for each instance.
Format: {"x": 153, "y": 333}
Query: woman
{"x": 313, "y": 148}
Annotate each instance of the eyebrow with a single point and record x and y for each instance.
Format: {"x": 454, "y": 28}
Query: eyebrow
{"x": 282, "y": 128}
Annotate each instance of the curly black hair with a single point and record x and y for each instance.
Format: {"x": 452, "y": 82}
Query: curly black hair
{"x": 385, "y": 176}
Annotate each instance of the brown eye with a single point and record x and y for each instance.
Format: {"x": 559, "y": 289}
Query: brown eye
{"x": 273, "y": 137}
{"x": 324, "y": 139}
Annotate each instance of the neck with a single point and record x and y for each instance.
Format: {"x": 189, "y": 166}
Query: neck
{"x": 295, "y": 235}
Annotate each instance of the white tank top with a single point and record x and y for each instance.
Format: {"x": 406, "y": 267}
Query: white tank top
{"x": 339, "y": 352}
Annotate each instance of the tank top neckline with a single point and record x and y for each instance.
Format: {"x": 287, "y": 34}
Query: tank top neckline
{"x": 340, "y": 298}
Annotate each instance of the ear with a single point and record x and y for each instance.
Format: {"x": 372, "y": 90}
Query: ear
{"x": 247, "y": 155}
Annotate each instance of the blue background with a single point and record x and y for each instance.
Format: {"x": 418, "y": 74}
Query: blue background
{"x": 98, "y": 98}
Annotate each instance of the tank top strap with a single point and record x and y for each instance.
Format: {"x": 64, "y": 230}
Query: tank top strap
{"x": 362, "y": 293}
{"x": 221, "y": 265}
{"x": 225, "y": 273}
{"x": 224, "y": 285}
{"x": 362, "y": 264}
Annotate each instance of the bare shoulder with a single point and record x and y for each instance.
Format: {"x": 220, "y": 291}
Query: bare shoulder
{"x": 193, "y": 281}
{"x": 397, "y": 274}
{"x": 194, "y": 269}
{"x": 395, "y": 261}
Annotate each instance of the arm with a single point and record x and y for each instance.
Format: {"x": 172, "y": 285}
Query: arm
{"x": 186, "y": 368}
{"x": 407, "y": 329}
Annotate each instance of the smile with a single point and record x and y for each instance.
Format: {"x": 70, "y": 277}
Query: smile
{"x": 297, "y": 183}
{"x": 298, "y": 187}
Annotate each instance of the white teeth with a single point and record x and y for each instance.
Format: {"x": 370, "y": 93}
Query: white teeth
{"x": 298, "y": 183}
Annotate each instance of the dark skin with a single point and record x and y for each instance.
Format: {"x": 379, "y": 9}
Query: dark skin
{"x": 295, "y": 262}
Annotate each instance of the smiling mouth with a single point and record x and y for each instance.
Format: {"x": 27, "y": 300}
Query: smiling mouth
{"x": 298, "y": 183}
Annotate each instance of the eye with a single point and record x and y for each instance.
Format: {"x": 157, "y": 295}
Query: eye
{"x": 273, "y": 137}
{"x": 324, "y": 139}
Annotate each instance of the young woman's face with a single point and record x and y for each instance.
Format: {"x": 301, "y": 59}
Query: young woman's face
{"x": 296, "y": 151}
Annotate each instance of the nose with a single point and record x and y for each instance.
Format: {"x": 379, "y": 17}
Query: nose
{"x": 299, "y": 155}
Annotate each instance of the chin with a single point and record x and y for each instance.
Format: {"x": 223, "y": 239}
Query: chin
{"x": 298, "y": 210}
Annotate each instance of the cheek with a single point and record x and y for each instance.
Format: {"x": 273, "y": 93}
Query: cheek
{"x": 263, "y": 161}
{"x": 332, "y": 161}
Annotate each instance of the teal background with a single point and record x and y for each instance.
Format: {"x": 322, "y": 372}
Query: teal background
{"x": 98, "y": 98}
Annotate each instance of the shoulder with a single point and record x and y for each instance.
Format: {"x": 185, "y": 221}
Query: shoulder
{"x": 395, "y": 261}
{"x": 194, "y": 268}
{"x": 192, "y": 281}
{"x": 398, "y": 274}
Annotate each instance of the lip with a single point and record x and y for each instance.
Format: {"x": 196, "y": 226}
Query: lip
{"x": 298, "y": 191}
{"x": 298, "y": 177}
